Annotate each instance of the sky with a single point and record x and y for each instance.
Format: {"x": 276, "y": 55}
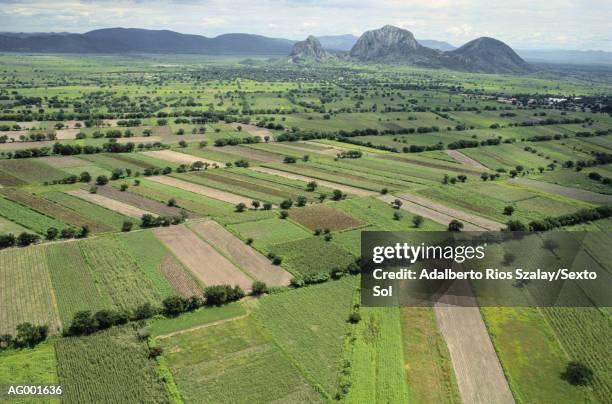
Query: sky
{"x": 523, "y": 24}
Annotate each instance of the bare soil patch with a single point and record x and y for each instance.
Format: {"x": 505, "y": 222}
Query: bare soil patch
{"x": 579, "y": 194}
{"x": 180, "y": 281}
{"x": 109, "y": 203}
{"x": 460, "y": 215}
{"x": 63, "y": 134}
{"x": 201, "y": 258}
{"x": 462, "y": 158}
{"x": 178, "y": 158}
{"x": 479, "y": 374}
{"x": 254, "y": 130}
{"x": 139, "y": 139}
{"x": 139, "y": 201}
{"x": 246, "y": 257}
{"x": 253, "y": 154}
{"x": 334, "y": 185}
{"x": 29, "y": 125}
{"x": 202, "y": 190}
{"x": 323, "y": 217}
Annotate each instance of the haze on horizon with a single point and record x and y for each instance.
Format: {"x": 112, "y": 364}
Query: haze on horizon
{"x": 563, "y": 24}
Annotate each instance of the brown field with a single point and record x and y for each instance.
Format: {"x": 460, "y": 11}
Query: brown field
{"x": 210, "y": 267}
{"x": 62, "y": 134}
{"x": 8, "y": 180}
{"x": 29, "y": 125}
{"x": 457, "y": 168}
{"x": 109, "y": 203}
{"x": 253, "y": 154}
{"x": 139, "y": 139}
{"x": 72, "y": 124}
{"x": 333, "y": 185}
{"x": 140, "y": 201}
{"x": 55, "y": 210}
{"x": 254, "y": 130}
{"x": 179, "y": 158}
{"x": 25, "y": 145}
{"x": 180, "y": 280}
{"x": 455, "y": 213}
{"x": 462, "y": 158}
{"x": 323, "y": 217}
{"x": 479, "y": 374}
{"x": 202, "y": 190}
{"x": 579, "y": 194}
{"x": 247, "y": 258}
{"x": 306, "y": 148}
{"x": 14, "y": 134}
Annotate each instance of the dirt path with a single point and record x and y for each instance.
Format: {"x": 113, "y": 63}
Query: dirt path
{"x": 333, "y": 185}
{"x": 201, "y": 258}
{"x": 198, "y": 327}
{"x": 246, "y": 257}
{"x": 428, "y": 213}
{"x": 254, "y": 130}
{"x": 111, "y": 204}
{"x": 462, "y": 158}
{"x": 580, "y": 194}
{"x": 202, "y": 190}
{"x": 460, "y": 215}
{"x": 479, "y": 374}
{"x": 179, "y": 158}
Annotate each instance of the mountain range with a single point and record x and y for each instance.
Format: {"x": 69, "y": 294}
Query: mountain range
{"x": 131, "y": 40}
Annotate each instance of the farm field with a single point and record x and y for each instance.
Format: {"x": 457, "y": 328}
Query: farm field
{"x": 192, "y": 232}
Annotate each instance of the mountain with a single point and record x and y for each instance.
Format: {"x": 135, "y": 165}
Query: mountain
{"x": 487, "y": 55}
{"x": 309, "y": 50}
{"x": 132, "y": 40}
{"x": 392, "y": 44}
{"x": 439, "y": 45}
{"x": 342, "y": 43}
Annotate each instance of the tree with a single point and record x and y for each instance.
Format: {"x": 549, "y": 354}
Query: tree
{"x": 328, "y": 237}
{"x": 84, "y": 232}
{"x": 286, "y": 204}
{"x": 484, "y": 176}
{"x": 384, "y": 191}
{"x": 173, "y": 306}
{"x": 578, "y": 374}
{"x": 105, "y": 319}
{"x": 127, "y": 226}
{"x": 355, "y": 317}
{"x": 222, "y": 294}
{"x": 322, "y": 197}
{"x": 29, "y": 335}
{"x": 259, "y": 288}
{"x": 397, "y": 204}
{"x": 397, "y": 215}
{"x": 455, "y": 225}
{"x": 509, "y": 210}
{"x": 284, "y": 214}
{"x": 255, "y": 204}
{"x": 462, "y": 178}
{"x": 311, "y": 186}
{"x": 267, "y": 206}
{"x": 144, "y": 311}
{"x": 417, "y": 221}
{"x": 515, "y": 225}
{"x": 116, "y": 174}
{"x": 85, "y": 177}
{"x": 171, "y": 202}
{"x": 241, "y": 207}
{"x": 52, "y": 233}
{"x": 337, "y": 195}
{"x": 102, "y": 180}
{"x": 306, "y": 158}
{"x": 301, "y": 201}
{"x": 289, "y": 160}
{"x": 82, "y": 323}
{"x": 25, "y": 239}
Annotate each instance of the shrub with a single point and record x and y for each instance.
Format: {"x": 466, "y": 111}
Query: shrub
{"x": 222, "y": 294}
{"x": 259, "y": 288}
{"x": 455, "y": 225}
{"x": 578, "y": 374}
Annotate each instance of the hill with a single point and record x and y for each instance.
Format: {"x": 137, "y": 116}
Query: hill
{"x": 133, "y": 40}
{"x": 486, "y": 55}
{"x": 309, "y": 50}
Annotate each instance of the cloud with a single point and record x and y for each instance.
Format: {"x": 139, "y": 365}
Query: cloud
{"x": 520, "y": 23}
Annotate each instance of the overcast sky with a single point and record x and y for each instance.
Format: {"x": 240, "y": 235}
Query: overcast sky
{"x": 563, "y": 24}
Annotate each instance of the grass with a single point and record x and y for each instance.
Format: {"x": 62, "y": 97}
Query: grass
{"x": 312, "y": 255}
{"x": 26, "y": 294}
{"x": 233, "y": 362}
{"x": 27, "y": 367}
{"x": 309, "y": 325}
{"x": 31, "y": 171}
{"x": 196, "y": 318}
{"x": 116, "y": 272}
{"x": 73, "y": 282}
{"x": 108, "y": 367}
{"x": 267, "y": 232}
{"x": 532, "y": 358}
{"x": 429, "y": 371}
{"x": 148, "y": 252}
{"x": 26, "y": 217}
{"x": 107, "y": 216}
{"x": 377, "y": 361}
